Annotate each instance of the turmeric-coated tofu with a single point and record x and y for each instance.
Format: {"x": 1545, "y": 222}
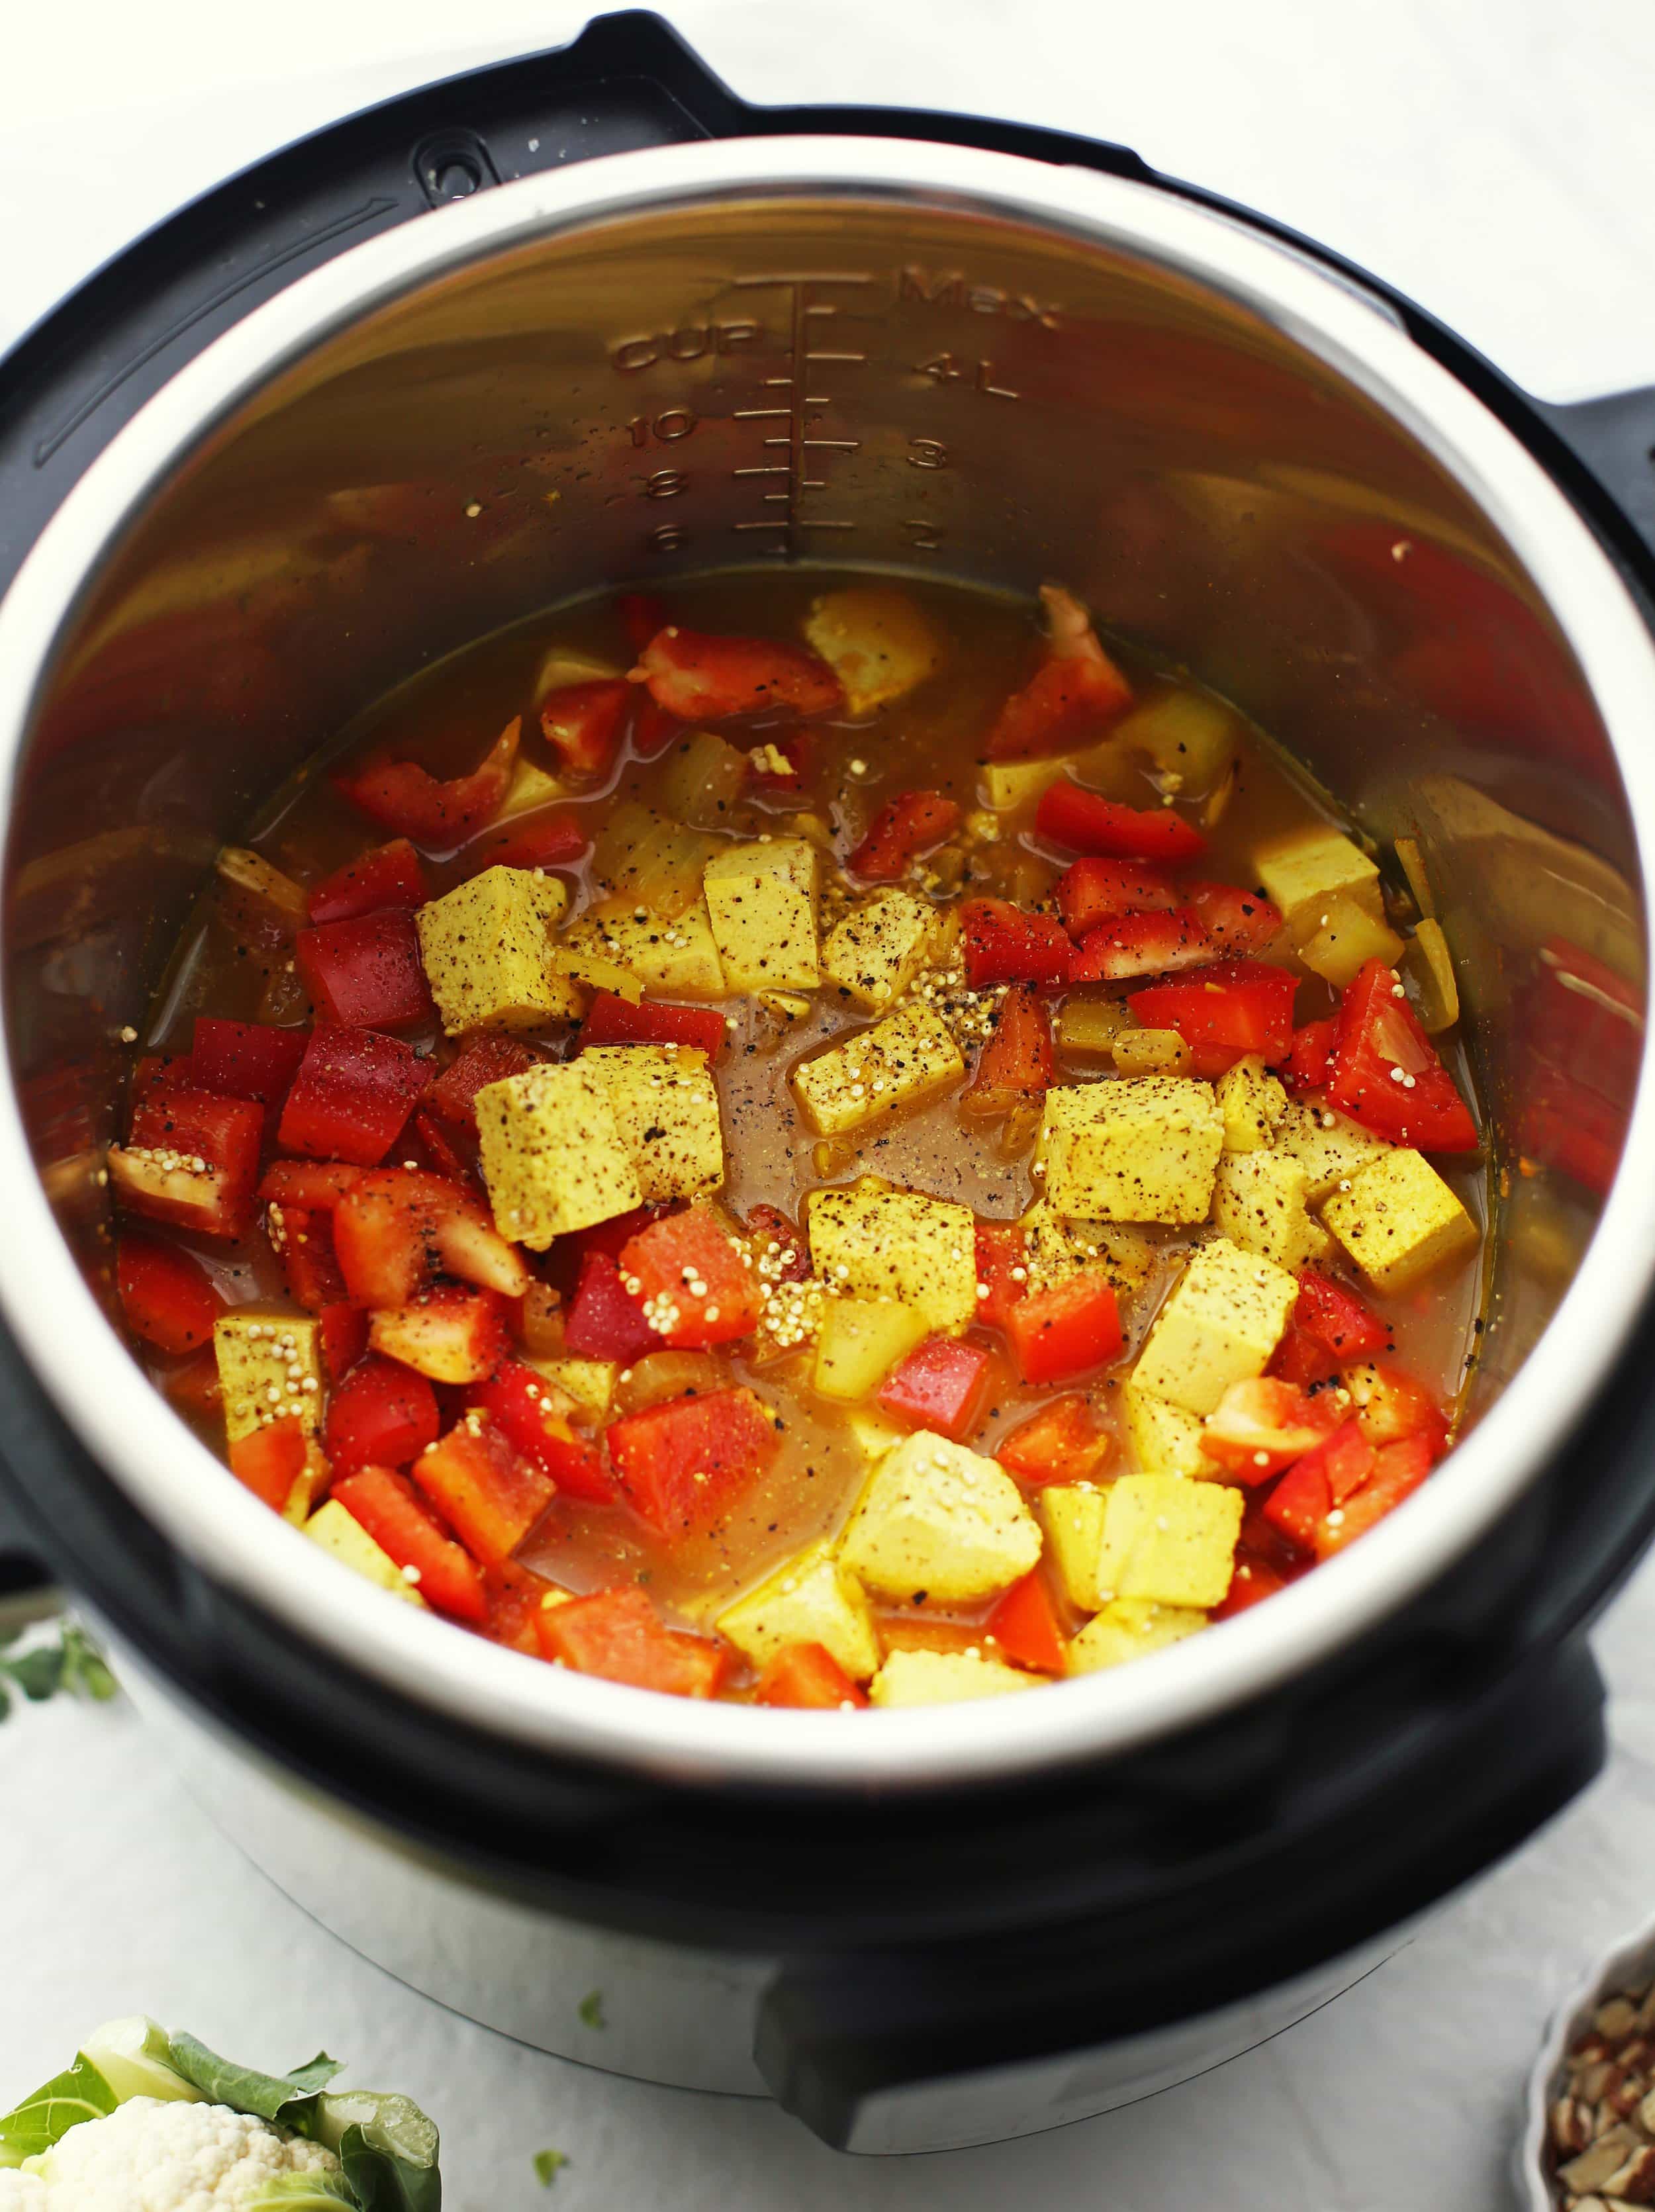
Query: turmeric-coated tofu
{"x": 1131, "y": 1628}
{"x": 484, "y": 947}
{"x": 1006, "y": 785}
{"x": 944, "y": 1678}
{"x": 553, "y": 1156}
{"x": 666, "y": 1107}
{"x": 869, "y": 1241}
{"x": 1301, "y": 869}
{"x": 1145, "y": 1148}
{"x": 337, "y": 1532}
{"x": 877, "y": 641}
{"x": 1168, "y": 1539}
{"x": 900, "y": 1062}
{"x": 1055, "y": 1247}
{"x": 1225, "y": 1316}
{"x": 876, "y": 949}
{"x": 270, "y": 1365}
{"x": 1400, "y": 1222}
{"x": 1330, "y": 1146}
{"x": 1250, "y": 1102}
{"x": 761, "y": 900}
{"x": 1260, "y": 1202}
{"x": 675, "y": 959}
{"x": 939, "y": 1524}
{"x": 810, "y": 1599}
{"x": 1073, "y": 1514}
{"x": 1164, "y": 1439}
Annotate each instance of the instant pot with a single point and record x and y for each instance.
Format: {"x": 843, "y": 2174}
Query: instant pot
{"x": 586, "y": 320}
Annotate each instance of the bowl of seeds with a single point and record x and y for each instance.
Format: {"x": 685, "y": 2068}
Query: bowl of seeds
{"x": 1589, "y": 2141}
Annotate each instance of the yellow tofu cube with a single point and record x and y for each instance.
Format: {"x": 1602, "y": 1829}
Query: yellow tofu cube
{"x": 1168, "y": 1539}
{"x": 859, "y": 1341}
{"x": 589, "y": 1382}
{"x": 1225, "y": 1317}
{"x": 1151, "y": 1052}
{"x": 1259, "y": 1202}
{"x": 675, "y": 959}
{"x": 873, "y": 1434}
{"x": 943, "y": 1678}
{"x": 1164, "y": 1439}
{"x": 553, "y": 1156}
{"x": 1330, "y": 1146}
{"x": 1399, "y": 1221}
{"x": 1302, "y": 869}
{"x": 1131, "y": 1628}
{"x": 1142, "y": 1149}
{"x": 1342, "y": 934}
{"x": 1055, "y": 1247}
{"x": 876, "y": 641}
{"x": 872, "y": 1243}
{"x": 876, "y": 950}
{"x": 666, "y": 1107}
{"x": 1006, "y": 785}
{"x": 1073, "y": 1514}
{"x": 484, "y": 947}
{"x": 811, "y": 1600}
{"x": 1250, "y": 1102}
{"x": 333, "y": 1527}
{"x": 270, "y": 1365}
{"x": 938, "y": 1523}
{"x": 530, "y": 787}
{"x": 761, "y": 899}
{"x": 899, "y": 1063}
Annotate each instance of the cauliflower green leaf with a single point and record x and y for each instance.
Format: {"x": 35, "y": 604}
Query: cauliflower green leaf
{"x": 303, "y": 2192}
{"x": 80, "y": 2093}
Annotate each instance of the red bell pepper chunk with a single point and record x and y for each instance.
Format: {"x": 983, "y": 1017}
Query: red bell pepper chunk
{"x": 1239, "y": 922}
{"x": 809, "y": 1677}
{"x": 388, "y": 876}
{"x": 940, "y": 1385}
{"x": 1385, "y": 1073}
{"x": 537, "y": 840}
{"x": 436, "y": 813}
{"x": 1253, "y": 1578}
{"x": 1337, "y": 1318}
{"x": 1090, "y": 824}
{"x": 1346, "y": 1458}
{"x": 1301, "y": 1359}
{"x": 1061, "y": 1331}
{"x": 611, "y": 1020}
{"x": 489, "y": 1495}
{"x": 785, "y": 1251}
{"x": 367, "y": 972}
{"x": 1025, "y": 1626}
{"x": 1076, "y": 691}
{"x": 310, "y": 1262}
{"x": 271, "y": 1460}
{"x": 1398, "y": 1471}
{"x": 343, "y": 1333}
{"x": 453, "y": 1333}
{"x": 354, "y": 1091}
{"x": 247, "y": 1059}
{"x": 680, "y": 1464}
{"x": 166, "y": 1295}
{"x": 1063, "y": 1443}
{"x": 1224, "y": 1012}
{"x": 532, "y": 1415}
{"x": 381, "y": 1501}
{"x": 1141, "y": 944}
{"x": 191, "y": 1160}
{"x": 643, "y": 614}
{"x": 311, "y": 1186}
{"x": 1017, "y": 1062}
{"x": 515, "y": 1594}
{"x": 1093, "y": 890}
{"x": 618, "y": 1635}
{"x": 1300, "y": 1502}
{"x": 381, "y": 1415}
{"x": 701, "y": 678}
{"x": 1002, "y": 1271}
{"x": 906, "y": 827}
{"x": 483, "y": 1059}
{"x": 696, "y": 1284}
{"x": 795, "y": 750}
{"x": 447, "y": 1152}
{"x": 1310, "y": 1058}
{"x": 1391, "y": 1404}
{"x": 605, "y": 1321}
{"x": 193, "y": 1387}
{"x": 1259, "y": 1427}
{"x": 398, "y": 1228}
{"x": 584, "y": 724}
{"x": 1005, "y": 943}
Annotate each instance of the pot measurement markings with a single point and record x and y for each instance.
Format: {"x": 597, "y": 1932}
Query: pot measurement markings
{"x": 791, "y": 421}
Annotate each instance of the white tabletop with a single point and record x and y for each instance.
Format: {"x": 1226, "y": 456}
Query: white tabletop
{"x": 1491, "y": 158}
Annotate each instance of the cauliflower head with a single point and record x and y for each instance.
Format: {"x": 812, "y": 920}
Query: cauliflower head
{"x": 151, "y": 2156}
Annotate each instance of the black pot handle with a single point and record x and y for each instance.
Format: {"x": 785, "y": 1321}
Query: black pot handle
{"x": 1613, "y": 441}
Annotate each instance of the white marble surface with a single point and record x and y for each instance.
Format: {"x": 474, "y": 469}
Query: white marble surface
{"x": 1489, "y": 156}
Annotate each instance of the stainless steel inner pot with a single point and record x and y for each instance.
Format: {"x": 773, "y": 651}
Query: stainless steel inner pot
{"x": 850, "y": 351}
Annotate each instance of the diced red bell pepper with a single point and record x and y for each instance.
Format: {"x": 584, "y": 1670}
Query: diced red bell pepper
{"x": 383, "y": 1503}
{"x": 940, "y": 1385}
{"x": 398, "y": 1228}
{"x": 1310, "y": 1058}
{"x": 436, "y": 813}
{"x": 483, "y": 1059}
{"x": 516, "y": 1593}
{"x": 1239, "y": 922}
{"x": 1300, "y": 1502}
{"x": 354, "y": 1092}
{"x": 1398, "y": 1471}
{"x": 693, "y": 1277}
{"x": 1301, "y": 1359}
{"x": 1260, "y": 1426}
{"x": 1385, "y": 1073}
{"x": 247, "y": 1059}
{"x": 388, "y": 876}
{"x": 786, "y": 1250}
{"x": 1224, "y": 1012}
{"x": 1337, "y": 1319}
{"x": 192, "y": 1160}
{"x": 643, "y": 614}
{"x": 912, "y": 823}
{"x": 310, "y": 1262}
{"x": 584, "y": 724}
{"x": 1093, "y": 890}
{"x": 1006, "y": 944}
{"x": 680, "y": 1464}
{"x": 1346, "y": 1458}
{"x": 1002, "y": 1271}
{"x": 618, "y": 1635}
{"x": 807, "y": 1676}
{"x": 1016, "y": 1063}
{"x": 538, "y": 840}
{"x": 489, "y": 1495}
{"x": 1141, "y": 945}
{"x": 532, "y": 1414}
{"x": 1074, "y": 694}
{"x": 381, "y": 1415}
{"x": 794, "y": 748}
{"x": 1061, "y": 1331}
{"x": 166, "y": 1295}
{"x": 1025, "y": 1626}
{"x": 1252, "y": 1579}
{"x": 1391, "y": 1404}
{"x": 701, "y": 678}
{"x": 446, "y": 1150}
{"x": 453, "y": 1332}
{"x": 311, "y": 1186}
{"x": 271, "y": 1460}
{"x": 343, "y": 1333}
{"x": 605, "y": 1321}
{"x": 1063, "y": 1443}
{"x": 194, "y": 1389}
{"x": 1087, "y": 822}
{"x": 365, "y": 972}
{"x": 611, "y": 1019}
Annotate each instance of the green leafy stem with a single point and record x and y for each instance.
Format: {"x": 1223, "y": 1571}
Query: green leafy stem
{"x": 71, "y": 1665}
